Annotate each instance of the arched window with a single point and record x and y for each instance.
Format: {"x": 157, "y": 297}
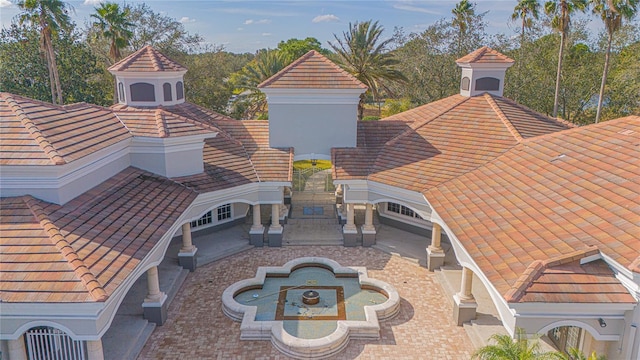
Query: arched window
{"x": 465, "y": 83}
{"x": 142, "y": 92}
{"x": 488, "y": 84}
{"x": 179, "y": 91}
{"x": 166, "y": 88}
{"x": 45, "y": 342}
{"x": 121, "y": 92}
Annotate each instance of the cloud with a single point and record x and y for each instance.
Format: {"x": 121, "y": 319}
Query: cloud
{"x": 240, "y": 29}
{"x": 257, "y": 22}
{"x": 5, "y": 3}
{"x": 92, "y": 2}
{"x": 408, "y": 7}
{"x": 186, "y": 19}
{"x": 325, "y": 18}
{"x": 266, "y": 34}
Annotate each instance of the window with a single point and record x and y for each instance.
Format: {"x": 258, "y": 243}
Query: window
{"x": 402, "y": 210}
{"x": 166, "y": 88}
{"x": 121, "y": 92}
{"x": 204, "y": 220}
{"x": 224, "y": 212}
{"x": 465, "y": 83}
{"x": 179, "y": 91}
{"x": 565, "y": 337}
{"x": 488, "y": 84}
{"x": 142, "y": 92}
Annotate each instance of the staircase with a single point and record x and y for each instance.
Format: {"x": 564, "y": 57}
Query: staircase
{"x": 313, "y": 219}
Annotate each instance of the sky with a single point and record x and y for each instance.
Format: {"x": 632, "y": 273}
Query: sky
{"x": 246, "y": 26}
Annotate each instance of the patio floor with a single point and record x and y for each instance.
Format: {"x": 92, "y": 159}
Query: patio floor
{"x": 197, "y": 329}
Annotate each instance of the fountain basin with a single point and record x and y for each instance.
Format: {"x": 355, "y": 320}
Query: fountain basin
{"x": 278, "y": 311}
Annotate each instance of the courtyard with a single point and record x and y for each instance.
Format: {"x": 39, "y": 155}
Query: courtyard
{"x": 197, "y": 328}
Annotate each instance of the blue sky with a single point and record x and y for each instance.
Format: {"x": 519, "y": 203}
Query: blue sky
{"x": 245, "y": 26}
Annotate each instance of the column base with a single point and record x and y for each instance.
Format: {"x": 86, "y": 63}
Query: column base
{"x": 256, "y": 237}
{"x": 275, "y": 237}
{"x": 188, "y": 260}
{"x": 350, "y": 236}
{"x": 463, "y": 310}
{"x": 156, "y": 312}
{"x": 435, "y": 259}
{"x": 368, "y": 236}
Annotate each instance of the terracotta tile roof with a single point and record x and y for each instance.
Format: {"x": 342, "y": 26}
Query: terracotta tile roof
{"x": 548, "y": 197}
{"x": 146, "y": 59}
{"x": 312, "y": 71}
{"x": 84, "y": 250}
{"x": 565, "y": 280}
{"x": 440, "y": 141}
{"x": 238, "y": 155}
{"x": 485, "y": 55}
{"x": 158, "y": 122}
{"x": 38, "y": 133}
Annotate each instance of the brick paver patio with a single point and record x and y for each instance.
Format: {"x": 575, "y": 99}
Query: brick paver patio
{"x": 197, "y": 329}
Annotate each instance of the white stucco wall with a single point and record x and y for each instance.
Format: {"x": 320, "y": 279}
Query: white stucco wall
{"x": 312, "y": 128}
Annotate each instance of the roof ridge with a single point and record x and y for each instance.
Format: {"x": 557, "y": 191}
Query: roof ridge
{"x": 537, "y": 267}
{"x": 154, "y": 58}
{"x": 128, "y": 60}
{"x": 496, "y": 108}
{"x": 35, "y": 133}
{"x": 88, "y": 279}
{"x": 524, "y": 107}
{"x": 161, "y": 124}
{"x": 415, "y": 125}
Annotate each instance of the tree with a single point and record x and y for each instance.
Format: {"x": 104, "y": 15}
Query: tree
{"x": 527, "y": 11}
{"x": 24, "y": 72}
{"x": 560, "y": 11}
{"x": 520, "y": 348}
{"x": 251, "y": 100}
{"x": 295, "y": 48}
{"x": 463, "y": 15}
{"x": 112, "y": 24}
{"x": 361, "y": 53}
{"x": 51, "y": 16}
{"x": 612, "y": 12}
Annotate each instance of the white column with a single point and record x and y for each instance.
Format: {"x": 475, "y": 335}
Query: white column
{"x": 465, "y": 285}
{"x": 275, "y": 217}
{"x": 257, "y": 217}
{"x": 17, "y": 350}
{"x": 350, "y": 226}
{"x": 368, "y": 218}
{"x": 153, "y": 286}
{"x": 436, "y": 235}
{"x": 187, "y": 244}
{"x": 94, "y": 350}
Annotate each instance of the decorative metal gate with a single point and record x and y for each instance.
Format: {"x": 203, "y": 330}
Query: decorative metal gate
{"x": 47, "y": 343}
{"x": 312, "y": 179}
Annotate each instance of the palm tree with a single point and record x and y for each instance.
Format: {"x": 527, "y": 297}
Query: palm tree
{"x": 506, "y": 348}
{"x": 361, "y": 53}
{"x": 561, "y": 11}
{"x": 526, "y": 10}
{"x": 612, "y": 13}
{"x": 51, "y": 16}
{"x": 463, "y": 15}
{"x": 266, "y": 64}
{"x": 113, "y": 25}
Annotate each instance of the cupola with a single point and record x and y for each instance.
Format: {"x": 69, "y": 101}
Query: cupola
{"x": 483, "y": 71}
{"x": 149, "y": 78}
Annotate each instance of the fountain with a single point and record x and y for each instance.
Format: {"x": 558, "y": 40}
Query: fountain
{"x": 310, "y": 307}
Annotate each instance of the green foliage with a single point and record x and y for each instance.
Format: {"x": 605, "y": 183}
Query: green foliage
{"x": 370, "y": 118}
{"x": 362, "y": 53}
{"x": 113, "y": 24}
{"x": 292, "y": 49}
{"x": 579, "y": 355}
{"x": 24, "y": 72}
{"x": 393, "y": 106}
{"x": 520, "y": 348}
{"x": 306, "y": 164}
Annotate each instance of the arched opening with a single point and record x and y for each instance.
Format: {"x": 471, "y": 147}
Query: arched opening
{"x": 179, "y": 91}
{"x": 46, "y": 342}
{"x": 121, "y": 92}
{"x": 142, "y": 92}
{"x": 488, "y": 84}
{"x": 166, "y": 89}
{"x": 464, "y": 84}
